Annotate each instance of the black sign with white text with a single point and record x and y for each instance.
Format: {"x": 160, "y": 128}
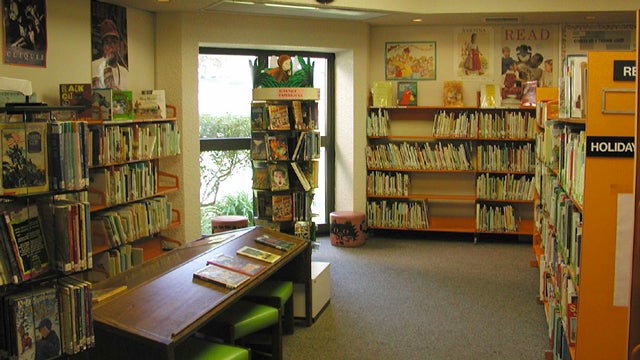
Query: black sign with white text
{"x": 624, "y": 70}
{"x": 610, "y": 146}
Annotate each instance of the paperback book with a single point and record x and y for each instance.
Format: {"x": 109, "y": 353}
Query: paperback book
{"x": 261, "y": 178}
{"x": 258, "y": 254}
{"x": 258, "y": 146}
{"x": 24, "y": 158}
{"x": 277, "y": 147}
{"x": 275, "y": 243}
{"x": 150, "y": 104}
{"x": 221, "y": 276}
{"x": 77, "y": 95}
{"x": 278, "y": 117}
{"x": 278, "y": 176}
{"x": 282, "y": 207}
{"x": 122, "y": 105}
{"x": 258, "y": 117}
{"x": 237, "y": 264}
{"x": 452, "y": 93}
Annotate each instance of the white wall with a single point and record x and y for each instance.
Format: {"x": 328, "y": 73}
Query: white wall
{"x": 177, "y": 54}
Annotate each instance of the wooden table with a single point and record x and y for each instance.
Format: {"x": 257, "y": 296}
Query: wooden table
{"x": 163, "y": 304}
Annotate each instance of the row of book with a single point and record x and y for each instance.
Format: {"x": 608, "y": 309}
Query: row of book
{"x": 266, "y": 146}
{"x": 112, "y": 104}
{"x": 276, "y": 176}
{"x": 388, "y": 184}
{"x": 509, "y": 125}
{"x": 496, "y": 218}
{"x": 68, "y": 155}
{"x": 295, "y": 206}
{"x": 115, "y": 144}
{"x": 44, "y": 235}
{"x": 115, "y": 261}
{"x": 420, "y": 156}
{"x": 398, "y": 214}
{"x": 378, "y": 123}
{"x": 128, "y": 223}
{"x": 299, "y": 115}
{"x": 119, "y": 184}
{"x": 505, "y": 187}
{"x": 506, "y": 157}
{"x": 47, "y": 321}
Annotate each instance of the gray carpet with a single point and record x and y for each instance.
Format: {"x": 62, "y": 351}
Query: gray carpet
{"x": 413, "y": 298}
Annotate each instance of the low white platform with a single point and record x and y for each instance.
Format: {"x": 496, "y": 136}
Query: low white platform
{"x": 320, "y": 291}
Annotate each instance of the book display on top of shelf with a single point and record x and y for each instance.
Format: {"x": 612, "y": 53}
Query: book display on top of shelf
{"x": 122, "y": 105}
{"x": 101, "y": 106}
{"x": 407, "y": 93}
{"x": 452, "y": 93}
{"x": 79, "y": 95}
{"x": 150, "y": 104}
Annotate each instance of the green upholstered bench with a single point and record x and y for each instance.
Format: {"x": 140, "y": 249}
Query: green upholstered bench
{"x": 198, "y": 349}
{"x": 278, "y": 294}
{"x": 246, "y": 318}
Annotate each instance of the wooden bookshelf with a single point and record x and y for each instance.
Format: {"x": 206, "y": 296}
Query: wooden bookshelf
{"x": 400, "y": 137}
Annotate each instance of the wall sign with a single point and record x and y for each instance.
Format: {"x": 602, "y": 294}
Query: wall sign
{"x": 611, "y": 146}
{"x": 624, "y": 70}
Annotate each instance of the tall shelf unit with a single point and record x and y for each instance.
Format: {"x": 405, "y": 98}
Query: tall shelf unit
{"x": 585, "y": 177}
{"x": 285, "y": 149}
{"x": 128, "y": 191}
{"x": 44, "y": 232}
{"x": 467, "y": 170}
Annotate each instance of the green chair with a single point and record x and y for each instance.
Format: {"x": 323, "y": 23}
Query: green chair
{"x": 199, "y": 349}
{"x": 245, "y": 318}
{"x": 278, "y": 294}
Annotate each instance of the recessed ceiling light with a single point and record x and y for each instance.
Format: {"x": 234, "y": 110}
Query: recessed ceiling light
{"x": 416, "y": 20}
{"x": 589, "y": 17}
{"x": 163, "y": 0}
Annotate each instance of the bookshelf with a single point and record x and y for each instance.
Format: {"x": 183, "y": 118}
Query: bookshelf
{"x": 285, "y": 149}
{"x": 464, "y": 169}
{"x": 44, "y": 232}
{"x": 129, "y": 193}
{"x": 585, "y": 242}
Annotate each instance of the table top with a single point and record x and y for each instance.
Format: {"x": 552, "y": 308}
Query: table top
{"x": 163, "y": 303}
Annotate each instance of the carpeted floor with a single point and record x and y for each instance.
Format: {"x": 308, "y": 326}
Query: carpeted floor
{"x": 414, "y": 298}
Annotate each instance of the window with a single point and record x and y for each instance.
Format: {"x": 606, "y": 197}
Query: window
{"x": 224, "y": 102}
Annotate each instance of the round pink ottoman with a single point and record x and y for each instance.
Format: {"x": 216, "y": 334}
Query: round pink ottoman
{"x": 347, "y": 228}
{"x": 228, "y": 222}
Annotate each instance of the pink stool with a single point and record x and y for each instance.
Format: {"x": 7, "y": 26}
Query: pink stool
{"x": 347, "y": 228}
{"x": 228, "y": 222}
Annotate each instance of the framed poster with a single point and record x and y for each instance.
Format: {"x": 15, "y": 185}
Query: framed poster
{"x": 25, "y": 32}
{"x": 410, "y": 60}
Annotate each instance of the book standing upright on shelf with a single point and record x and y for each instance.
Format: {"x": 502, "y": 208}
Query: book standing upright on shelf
{"x": 278, "y": 117}
{"x": 77, "y": 95}
{"x": 282, "y": 207}
{"x": 221, "y": 276}
{"x": 24, "y": 158}
{"x": 452, "y": 93}
{"x": 122, "y": 105}
{"x": 277, "y": 147}
{"x": 279, "y": 176}
{"x": 150, "y": 104}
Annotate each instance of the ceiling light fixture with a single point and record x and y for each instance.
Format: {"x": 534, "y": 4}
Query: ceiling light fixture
{"x": 416, "y": 20}
{"x": 298, "y": 7}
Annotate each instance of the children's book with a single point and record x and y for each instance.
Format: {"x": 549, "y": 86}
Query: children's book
{"x": 301, "y": 176}
{"x": 279, "y": 117}
{"x": 278, "y": 147}
{"x": 150, "y": 104}
{"x": 407, "y": 93}
{"x": 452, "y": 93}
{"x": 221, "y": 276}
{"x": 24, "y": 158}
{"x": 122, "y": 105}
{"x": 278, "y": 176}
{"x": 259, "y": 146}
{"x": 235, "y": 263}
{"x": 258, "y": 254}
{"x": 275, "y": 243}
{"x": 529, "y": 93}
{"x": 258, "y": 117}
{"x": 101, "y": 107}
{"x": 261, "y": 178}
{"x": 282, "y": 207}
{"x": 77, "y": 95}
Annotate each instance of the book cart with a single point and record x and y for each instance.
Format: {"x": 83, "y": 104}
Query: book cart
{"x": 128, "y": 191}
{"x": 44, "y": 233}
{"x": 462, "y": 169}
{"x": 585, "y": 178}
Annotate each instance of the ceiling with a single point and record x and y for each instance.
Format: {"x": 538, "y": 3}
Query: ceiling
{"x": 379, "y": 18}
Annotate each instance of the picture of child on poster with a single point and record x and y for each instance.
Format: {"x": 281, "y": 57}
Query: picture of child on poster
{"x": 474, "y": 50}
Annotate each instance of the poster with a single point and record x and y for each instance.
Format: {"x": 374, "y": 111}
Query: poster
{"x": 25, "y": 32}
{"x": 109, "y": 47}
{"x": 473, "y": 53}
{"x": 410, "y": 60}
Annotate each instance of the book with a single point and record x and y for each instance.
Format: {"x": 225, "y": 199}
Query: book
{"x": 258, "y": 117}
{"x": 77, "y": 95}
{"x": 150, "y": 104}
{"x": 20, "y": 325}
{"x": 278, "y": 117}
{"x": 122, "y": 105}
{"x": 221, "y": 276}
{"x": 278, "y": 177}
{"x": 258, "y": 254}
{"x": 98, "y": 295}
{"x": 382, "y": 93}
{"x": 24, "y": 158}
{"x": 489, "y": 96}
{"x": 452, "y": 93}
{"x": 529, "y": 93}
{"x": 277, "y": 147}
{"x": 282, "y": 207}
{"x": 101, "y": 106}
{"x": 27, "y": 240}
{"x": 46, "y": 320}
{"x": 275, "y": 243}
{"x": 237, "y": 264}
{"x": 407, "y": 93}
{"x": 301, "y": 176}
{"x": 259, "y": 146}
{"x": 261, "y": 178}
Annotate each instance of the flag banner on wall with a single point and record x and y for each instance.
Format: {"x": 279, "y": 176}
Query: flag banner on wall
{"x": 25, "y": 32}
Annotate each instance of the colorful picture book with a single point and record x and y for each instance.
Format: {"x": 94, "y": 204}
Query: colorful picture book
{"x": 24, "y": 158}
{"x": 235, "y": 263}
{"x": 407, "y": 93}
{"x": 221, "y": 276}
{"x": 77, "y": 95}
{"x": 278, "y": 117}
{"x": 258, "y": 254}
{"x": 279, "y": 176}
{"x": 102, "y": 100}
{"x": 258, "y": 117}
{"x": 452, "y": 93}
{"x": 278, "y": 148}
{"x": 261, "y": 178}
{"x": 282, "y": 207}
{"x": 275, "y": 243}
{"x": 259, "y": 146}
{"x": 122, "y": 105}
{"x": 150, "y": 104}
